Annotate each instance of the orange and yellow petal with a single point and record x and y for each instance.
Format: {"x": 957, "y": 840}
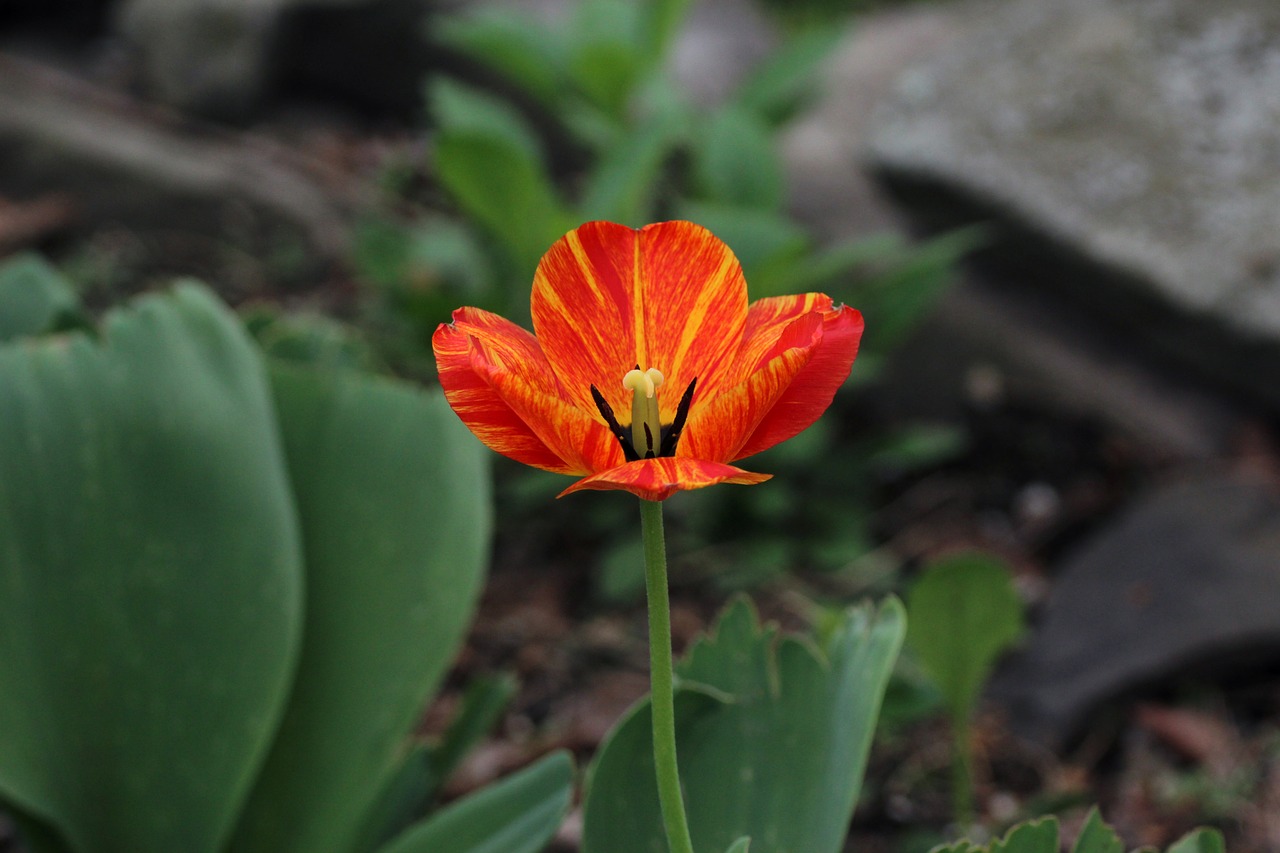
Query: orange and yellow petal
{"x": 670, "y": 296}
{"x": 767, "y": 319}
{"x": 474, "y": 399}
{"x": 719, "y": 428}
{"x": 811, "y": 390}
{"x": 659, "y": 479}
{"x": 580, "y": 441}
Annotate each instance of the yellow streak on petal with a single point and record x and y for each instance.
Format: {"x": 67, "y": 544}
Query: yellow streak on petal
{"x": 694, "y": 320}
{"x": 637, "y": 306}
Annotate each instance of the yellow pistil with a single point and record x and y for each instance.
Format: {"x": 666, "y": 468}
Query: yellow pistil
{"x": 646, "y": 427}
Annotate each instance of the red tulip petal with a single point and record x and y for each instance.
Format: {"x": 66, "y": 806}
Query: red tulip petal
{"x": 498, "y": 382}
{"x": 719, "y": 428}
{"x": 812, "y": 389}
{"x": 659, "y": 479}
{"x": 475, "y": 400}
{"x": 766, "y": 320}
{"x": 607, "y": 297}
{"x": 582, "y": 442}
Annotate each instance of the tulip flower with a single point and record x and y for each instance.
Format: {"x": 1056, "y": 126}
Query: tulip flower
{"x": 648, "y": 371}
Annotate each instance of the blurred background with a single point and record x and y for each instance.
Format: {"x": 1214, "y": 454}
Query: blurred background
{"x": 1060, "y": 218}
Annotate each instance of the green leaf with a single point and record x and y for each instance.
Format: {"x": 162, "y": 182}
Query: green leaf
{"x": 403, "y": 799}
{"x": 742, "y": 845}
{"x": 33, "y": 297}
{"x": 309, "y": 338}
{"x": 622, "y": 186}
{"x": 773, "y": 738}
{"x": 963, "y": 613}
{"x": 764, "y": 241}
{"x": 519, "y": 46}
{"x": 916, "y": 446}
{"x": 457, "y": 107}
{"x": 899, "y": 296}
{"x": 393, "y": 496}
{"x": 1041, "y": 836}
{"x": 1097, "y": 837}
{"x": 620, "y": 578}
{"x": 505, "y": 191}
{"x": 149, "y": 553}
{"x": 662, "y": 20}
{"x": 519, "y": 814}
{"x": 605, "y": 53}
{"x": 736, "y": 163}
{"x": 482, "y": 705}
{"x": 1034, "y": 836}
{"x": 778, "y": 88}
{"x": 1200, "y": 841}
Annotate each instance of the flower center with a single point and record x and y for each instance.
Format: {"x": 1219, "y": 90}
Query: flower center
{"x": 646, "y": 437}
{"x": 646, "y": 427}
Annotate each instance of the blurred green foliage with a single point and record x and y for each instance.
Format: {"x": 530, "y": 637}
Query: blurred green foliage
{"x": 964, "y": 613}
{"x": 1041, "y": 836}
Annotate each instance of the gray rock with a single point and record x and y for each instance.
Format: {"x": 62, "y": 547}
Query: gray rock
{"x": 119, "y": 162}
{"x": 1130, "y": 149}
{"x": 1187, "y": 581}
{"x": 225, "y": 58}
{"x": 986, "y": 345}
{"x": 205, "y": 56}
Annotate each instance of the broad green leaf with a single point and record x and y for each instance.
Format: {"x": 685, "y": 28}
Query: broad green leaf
{"x": 410, "y": 791}
{"x": 782, "y": 84}
{"x": 519, "y": 814}
{"x": 1041, "y": 836}
{"x": 457, "y": 107}
{"x": 963, "y": 612}
{"x": 962, "y": 846}
{"x": 742, "y": 845}
{"x": 33, "y": 297}
{"x": 1200, "y": 841}
{"x": 504, "y": 190}
{"x": 309, "y": 338}
{"x": 773, "y": 738}
{"x": 403, "y": 799}
{"x": 149, "y": 552}
{"x": 1097, "y": 837}
{"x": 393, "y": 499}
{"x": 524, "y": 50}
{"x": 1034, "y": 836}
{"x": 736, "y": 163}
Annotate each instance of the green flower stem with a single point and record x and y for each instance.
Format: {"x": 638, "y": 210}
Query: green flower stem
{"x": 660, "y": 679}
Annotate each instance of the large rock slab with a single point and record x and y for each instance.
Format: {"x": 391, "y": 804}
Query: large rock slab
{"x": 1128, "y": 149}
{"x": 1187, "y": 582}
